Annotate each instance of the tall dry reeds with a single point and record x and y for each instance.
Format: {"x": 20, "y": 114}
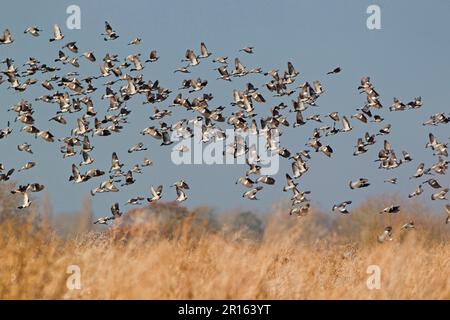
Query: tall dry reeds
{"x": 165, "y": 251}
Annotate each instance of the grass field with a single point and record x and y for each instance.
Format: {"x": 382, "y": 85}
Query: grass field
{"x": 181, "y": 254}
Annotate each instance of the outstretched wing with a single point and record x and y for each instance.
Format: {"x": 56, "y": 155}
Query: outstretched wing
{"x": 108, "y": 28}
{"x": 115, "y": 210}
{"x": 75, "y": 171}
{"x": 115, "y": 159}
{"x": 203, "y": 50}
{"x": 56, "y": 31}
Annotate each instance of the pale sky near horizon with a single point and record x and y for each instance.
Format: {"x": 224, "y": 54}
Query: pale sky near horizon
{"x": 408, "y": 57}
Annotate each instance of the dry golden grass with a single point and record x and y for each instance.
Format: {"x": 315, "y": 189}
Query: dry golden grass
{"x": 143, "y": 262}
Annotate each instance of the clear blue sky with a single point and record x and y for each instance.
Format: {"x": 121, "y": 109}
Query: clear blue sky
{"x": 408, "y": 57}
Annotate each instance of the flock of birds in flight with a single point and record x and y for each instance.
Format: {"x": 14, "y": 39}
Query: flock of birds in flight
{"x": 74, "y": 98}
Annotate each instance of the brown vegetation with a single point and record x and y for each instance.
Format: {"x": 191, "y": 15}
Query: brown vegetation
{"x": 168, "y": 252}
